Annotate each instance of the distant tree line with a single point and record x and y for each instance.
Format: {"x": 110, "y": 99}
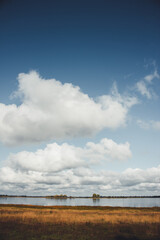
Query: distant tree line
{"x": 61, "y": 196}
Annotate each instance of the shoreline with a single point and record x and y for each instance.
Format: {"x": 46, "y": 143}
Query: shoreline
{"x": 70, "y": 197}
{"x": 82, "y": 207}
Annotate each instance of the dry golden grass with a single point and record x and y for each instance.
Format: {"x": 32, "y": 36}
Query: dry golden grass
{"x": 80, "y": 223}
{"x": 70, "y": 216}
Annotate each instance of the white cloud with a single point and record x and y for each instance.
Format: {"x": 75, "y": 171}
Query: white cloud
{"x": 150, "y": 77}
{"x": 142, "y": 88}
{"x": 52, "y": 110}
{"x": 59, "y": 157}
{"x": 138, "y": 177}
{"x": 60, "y": 167}
{"x": 66, "y": 169}
{"x": 81, "y": 181}
{"x": 143, "y": 124}
{"x": 52, "y": 159}
{"x": 126, "y": 100}
{"x": 149, "y": 125}
{"x": 108, "y": 149}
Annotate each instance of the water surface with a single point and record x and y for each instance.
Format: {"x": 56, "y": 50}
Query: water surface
{"x": 121, "y": 202}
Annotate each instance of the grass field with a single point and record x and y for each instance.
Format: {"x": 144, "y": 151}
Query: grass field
{"x": 20, "y": 222}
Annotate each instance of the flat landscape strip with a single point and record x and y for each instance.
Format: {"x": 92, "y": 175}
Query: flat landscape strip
{"x": 80, "y": 223}
{"x": 80, "y": 207}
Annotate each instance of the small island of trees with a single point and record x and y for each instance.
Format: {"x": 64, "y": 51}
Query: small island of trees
{"x": 95, "y": 195}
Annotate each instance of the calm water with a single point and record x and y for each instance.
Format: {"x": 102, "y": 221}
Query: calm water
{"x": 126, "y": 202}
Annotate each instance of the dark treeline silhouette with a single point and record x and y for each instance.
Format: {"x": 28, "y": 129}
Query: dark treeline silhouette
{"x": 65, "y": 196}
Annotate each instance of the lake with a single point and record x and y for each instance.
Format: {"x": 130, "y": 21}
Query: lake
{"x": 121, "y": 202}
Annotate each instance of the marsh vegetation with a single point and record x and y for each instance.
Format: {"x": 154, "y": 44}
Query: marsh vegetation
{"x": 80, "y": 223}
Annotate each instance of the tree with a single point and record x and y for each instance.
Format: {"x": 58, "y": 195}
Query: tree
{"x": 95, "y": 195}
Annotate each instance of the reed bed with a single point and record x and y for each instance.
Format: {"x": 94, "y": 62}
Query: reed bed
{"x": 69, "y": 223}
{"x": 79, "y": 217}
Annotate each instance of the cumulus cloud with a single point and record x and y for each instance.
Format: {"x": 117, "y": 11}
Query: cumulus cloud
{"x": 108, "y": 149}
{"x": 59, "y": 157}
{"x": 67, "y": 169}
{"x": 81, "y": 180}
{"x": 140, "y": 179}
{"x": 52, "y": 110}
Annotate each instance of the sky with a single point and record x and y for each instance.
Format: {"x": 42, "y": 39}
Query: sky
{"x": 80, "y": 97}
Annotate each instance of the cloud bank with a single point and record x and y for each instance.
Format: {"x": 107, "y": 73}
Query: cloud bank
{"x": 50, "y": 110}
{"x": 60, "y": 157}
{"x": 81, "y": 180}
{"x": 67, "y": 169}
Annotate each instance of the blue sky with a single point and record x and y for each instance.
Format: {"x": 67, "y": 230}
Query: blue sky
{"x": 102, "y": 130}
